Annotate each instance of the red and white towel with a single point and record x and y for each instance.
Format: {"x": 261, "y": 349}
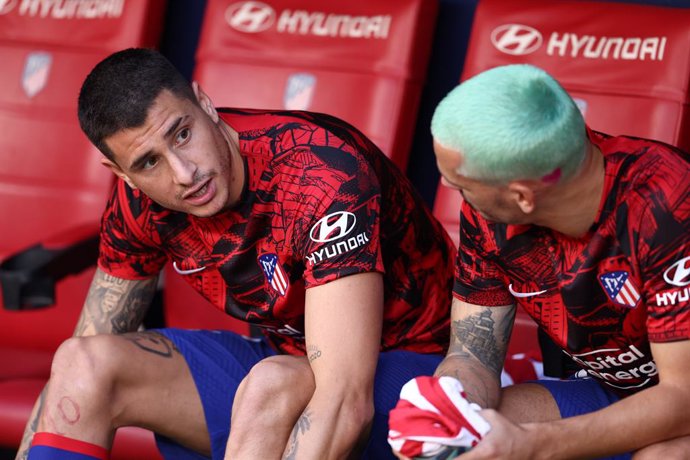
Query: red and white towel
{"x": 432, "y": 415}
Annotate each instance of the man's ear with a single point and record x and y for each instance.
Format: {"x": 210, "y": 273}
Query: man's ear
{"x": 205, "y": 102}
{"x": 523, "y": 193}
{"x": 117, "y": 171}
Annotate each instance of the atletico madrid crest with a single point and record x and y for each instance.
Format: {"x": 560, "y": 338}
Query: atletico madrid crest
{"x": 275, "y": 275}
{"x": 620, "y": 288}
{"x": 36, "y": 72}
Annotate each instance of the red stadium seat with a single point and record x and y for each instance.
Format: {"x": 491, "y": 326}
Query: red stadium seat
{"x": 52, "y": 186}
{"x": 361, "y": 61}
{"x": 625, "y": 65}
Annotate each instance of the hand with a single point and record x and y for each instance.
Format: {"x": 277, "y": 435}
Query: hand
{"x": 506, "y": 440}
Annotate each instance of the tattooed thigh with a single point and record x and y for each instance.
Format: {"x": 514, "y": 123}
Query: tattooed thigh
{"x": 153, "y": 342}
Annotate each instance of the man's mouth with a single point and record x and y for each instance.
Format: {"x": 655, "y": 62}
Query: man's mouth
{"x": 198, "y": 190}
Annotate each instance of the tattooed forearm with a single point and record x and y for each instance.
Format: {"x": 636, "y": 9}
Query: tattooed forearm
{"x": 478, "y": 335}
{"x": 301, "y": 427}
{"x": 154, "y": 343}
{"x": 114, "y": 305}
{"x": 479, "y": 384}
{"x": 313, "y": 353}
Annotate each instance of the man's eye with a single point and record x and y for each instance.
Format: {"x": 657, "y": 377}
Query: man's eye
{"x": 183, "y": 135}
{"x": 150, "y": 162}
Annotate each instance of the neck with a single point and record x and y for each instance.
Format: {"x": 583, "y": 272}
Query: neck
{"x": 236, "y": 163}
{"x": 572, "y": 207}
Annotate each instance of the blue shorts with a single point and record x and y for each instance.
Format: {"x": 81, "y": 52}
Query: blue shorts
{"x": 581, "y": 396}
{"x": 219, "y": 360}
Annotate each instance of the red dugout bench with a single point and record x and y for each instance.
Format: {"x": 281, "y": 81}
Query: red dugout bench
{"x": 52, "y": 186}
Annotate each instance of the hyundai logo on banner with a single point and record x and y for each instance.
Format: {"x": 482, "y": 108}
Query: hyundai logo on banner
{"x": 36, "y": 71}
{"x": 254, "y": 17}
{"x": 7, "y": 5}
{"x": 516, "y": 39}
{"x": 299, "y": 90}
{"x": 250, "y": 17}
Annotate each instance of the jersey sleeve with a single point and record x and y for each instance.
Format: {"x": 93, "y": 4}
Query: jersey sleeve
{"x": 125, "y": 249}
{"x": 478, "y": 280}
{"x": 335, "y": 224}
{"x": 663, "y": 245}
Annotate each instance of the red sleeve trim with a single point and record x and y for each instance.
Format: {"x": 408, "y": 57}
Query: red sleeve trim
{"x": 72, "y": 445}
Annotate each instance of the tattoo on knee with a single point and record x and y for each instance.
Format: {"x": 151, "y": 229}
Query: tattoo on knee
{"x": 155, "y": 343}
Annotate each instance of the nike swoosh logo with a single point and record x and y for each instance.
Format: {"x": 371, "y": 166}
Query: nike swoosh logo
{"x": 191, "y": 271}
{"x": 524, "y": 294}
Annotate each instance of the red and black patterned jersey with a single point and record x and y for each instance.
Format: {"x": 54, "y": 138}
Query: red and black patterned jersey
{"x": 603, "y": 297}
{"x": 320, "y": 202}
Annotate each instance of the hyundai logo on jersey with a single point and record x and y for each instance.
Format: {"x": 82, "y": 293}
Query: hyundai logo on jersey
{"x": 678, "y": 274}
{"x": 332, "y": 227}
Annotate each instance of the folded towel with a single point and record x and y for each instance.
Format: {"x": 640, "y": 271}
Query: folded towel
{"x": 433, "y": 419}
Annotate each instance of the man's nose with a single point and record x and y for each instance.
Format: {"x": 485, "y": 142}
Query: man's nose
{"x": 183, "y": 169}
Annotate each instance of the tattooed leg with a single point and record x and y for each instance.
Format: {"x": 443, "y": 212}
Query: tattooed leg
{"x": 301, "y": 427}
{"x": 102, "y": 382}
{"x": 267, "y": 404}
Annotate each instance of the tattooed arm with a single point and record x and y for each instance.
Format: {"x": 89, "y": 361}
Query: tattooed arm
{"x": 343, "y": 332}
{"x": 478, "y": 344}
{"x": 113, "y": 306}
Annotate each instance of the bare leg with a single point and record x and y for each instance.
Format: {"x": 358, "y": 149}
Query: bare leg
{"x": 528, "y": 402}
{"x": 102, "y": 382}
{"x": 267, "y": 405}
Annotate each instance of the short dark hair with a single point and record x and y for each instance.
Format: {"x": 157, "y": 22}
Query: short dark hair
{"x": 120, "y": 90}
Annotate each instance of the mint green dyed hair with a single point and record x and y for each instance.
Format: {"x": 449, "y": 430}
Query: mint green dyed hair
{"x": 511, "y": 122}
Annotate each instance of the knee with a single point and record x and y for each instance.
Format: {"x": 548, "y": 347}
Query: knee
{"x": 85, "y": 365}
{"x": 278, "y": 384}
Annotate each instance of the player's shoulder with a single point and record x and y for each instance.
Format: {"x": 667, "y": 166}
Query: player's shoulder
{"x": 274, "y": 121}
{"x": 131, "y": 210}
{"x": 644, "y": 157}
{"x": 289, "y": 128}
{"x": 652, "y": 179}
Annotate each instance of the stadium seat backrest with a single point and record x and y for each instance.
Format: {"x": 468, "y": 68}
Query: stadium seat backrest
{"x": 627, "y": 66}
{"x": 51, "y": 179}
{"x": 361, "y": 61}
